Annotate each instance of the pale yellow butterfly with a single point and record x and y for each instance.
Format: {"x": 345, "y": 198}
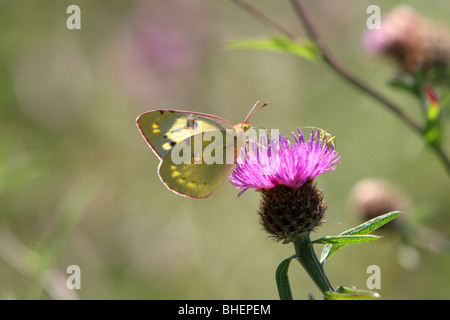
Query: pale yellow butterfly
{"x": 169, "y": 131}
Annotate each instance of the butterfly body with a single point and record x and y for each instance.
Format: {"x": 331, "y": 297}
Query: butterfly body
{"x": 172, "y": 133}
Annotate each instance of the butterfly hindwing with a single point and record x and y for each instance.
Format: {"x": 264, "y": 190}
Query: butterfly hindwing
{"x": 208, "y": 162}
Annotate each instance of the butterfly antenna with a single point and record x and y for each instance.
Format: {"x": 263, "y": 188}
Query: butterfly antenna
{"x": 252, "y": 113}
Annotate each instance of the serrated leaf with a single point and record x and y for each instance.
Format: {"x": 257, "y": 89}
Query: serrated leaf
{"x": 282, "y": 278}
{"x": 344, "y": 293}
{"x": 362, "y": 229}
{"x": 345, "y": 239}
{"x": 303, "y": 49}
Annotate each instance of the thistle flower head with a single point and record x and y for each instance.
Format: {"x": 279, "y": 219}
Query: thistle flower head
{"x": 283, "y": 172}
{"x": 275, "y": 161}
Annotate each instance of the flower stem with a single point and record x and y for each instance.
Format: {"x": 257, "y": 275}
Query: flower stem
{"x": 343, "y": 72}
{"x": 263, "y": 17}
{"x": 305, "y": 254}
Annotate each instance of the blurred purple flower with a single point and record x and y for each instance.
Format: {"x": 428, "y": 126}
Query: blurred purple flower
{"x": 161, "y": 49}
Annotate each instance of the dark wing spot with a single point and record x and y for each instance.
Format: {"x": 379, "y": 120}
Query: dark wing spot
{"x": 165, "y": 136}
{"x": 172, "y": 143}
{"x": 161, "y": 112}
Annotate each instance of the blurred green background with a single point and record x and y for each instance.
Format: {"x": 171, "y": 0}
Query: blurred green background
{"x": 79, "y": 186}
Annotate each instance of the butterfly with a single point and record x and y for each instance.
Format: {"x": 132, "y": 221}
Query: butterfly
{"x": 192, "y": 164}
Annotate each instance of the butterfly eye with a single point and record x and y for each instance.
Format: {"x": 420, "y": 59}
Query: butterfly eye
{"x": 246, "y": 126}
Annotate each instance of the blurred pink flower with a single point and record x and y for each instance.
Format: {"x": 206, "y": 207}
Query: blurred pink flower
{"x": 411, "y": 40}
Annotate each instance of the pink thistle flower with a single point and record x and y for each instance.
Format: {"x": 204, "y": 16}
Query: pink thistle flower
{"x": 291, "y": 205}
{"x": 275, "y": 161}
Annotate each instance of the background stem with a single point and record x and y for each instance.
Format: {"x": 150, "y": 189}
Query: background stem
{"x": 256, "y": 12}
{"x": 345, "y": 74}
{"x": 336, "y": 66}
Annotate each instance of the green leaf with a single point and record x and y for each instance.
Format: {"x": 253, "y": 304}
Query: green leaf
{"x": 344, "y": 293}
{"x": 405, "y": 86}
{"x": 304, "y": 49}
{"x": 281, "y": 276}
{"x": 362, "y": 229}
{"x": 410, "y": 83}
{"x": 433, "y": 134}
{"x": 345, "y": 239}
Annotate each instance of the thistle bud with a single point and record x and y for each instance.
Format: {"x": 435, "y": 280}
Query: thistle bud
{"x": 286, "y": 213}
{"x": 374, "y": 197}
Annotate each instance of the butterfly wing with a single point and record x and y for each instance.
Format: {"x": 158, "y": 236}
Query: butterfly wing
{"x": 163, "y": 129}
{"x": 203, "y": 170}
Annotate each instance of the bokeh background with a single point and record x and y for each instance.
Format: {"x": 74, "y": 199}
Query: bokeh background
{"x": 79, "y": 186}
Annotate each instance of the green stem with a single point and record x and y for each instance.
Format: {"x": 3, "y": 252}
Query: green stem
{"x": 305, "y": 254}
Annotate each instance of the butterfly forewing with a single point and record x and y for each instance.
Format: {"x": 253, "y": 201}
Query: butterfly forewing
{"x": 163, "y": 129}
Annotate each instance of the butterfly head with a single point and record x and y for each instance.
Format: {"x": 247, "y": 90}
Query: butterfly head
{"x": 245, "y": 126}
{"x": 242, "y": 127}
